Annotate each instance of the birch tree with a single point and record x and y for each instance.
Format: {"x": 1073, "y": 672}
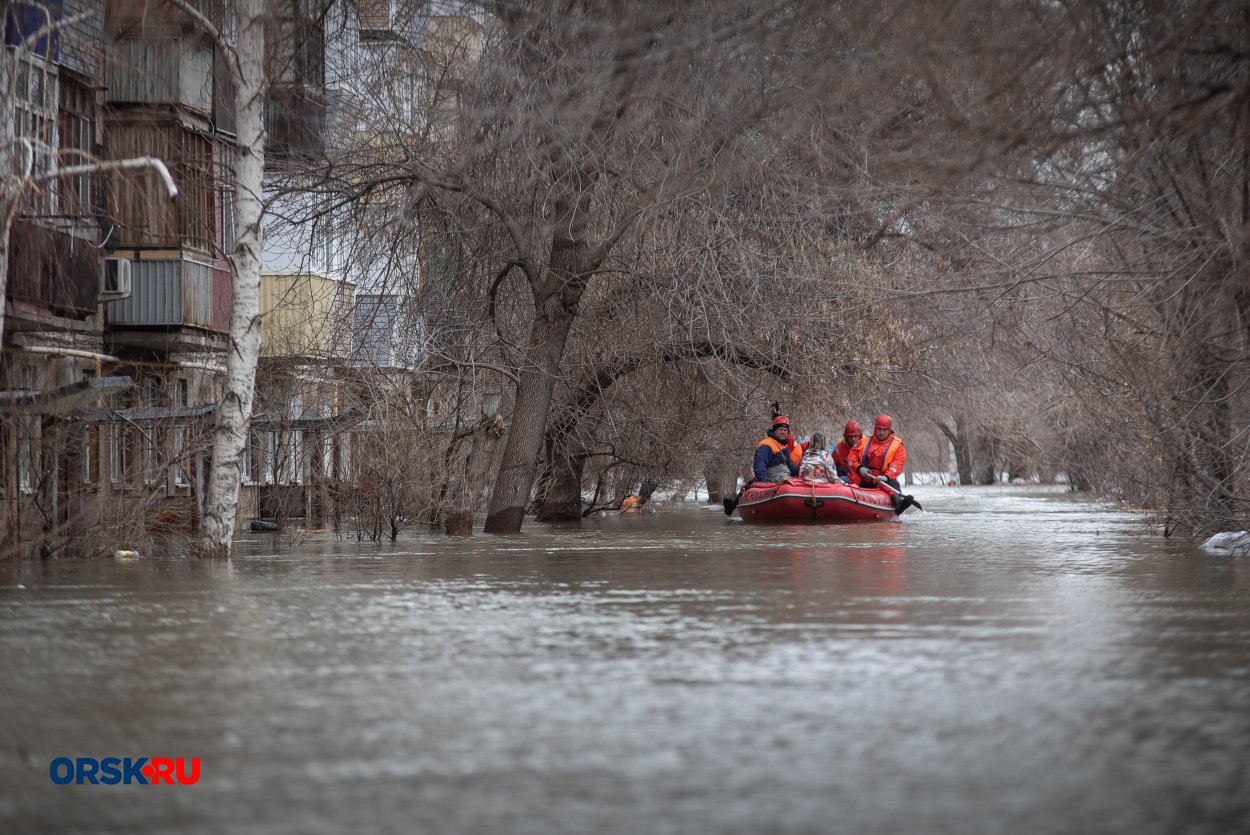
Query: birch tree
{"x": 245, "y": 59}
{"x": 10, "y": 177}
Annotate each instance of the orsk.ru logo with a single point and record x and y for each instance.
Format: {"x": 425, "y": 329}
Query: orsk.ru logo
{"x": 146, "y": 771}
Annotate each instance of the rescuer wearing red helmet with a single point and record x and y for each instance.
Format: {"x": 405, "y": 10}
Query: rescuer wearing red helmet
{"x": 775, "y": 455}
{"x": 883, "y": 455}
{"x": 853, "y": 442}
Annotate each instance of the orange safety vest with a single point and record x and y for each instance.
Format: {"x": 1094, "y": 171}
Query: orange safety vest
{"x": 796, "y": 453}
{"x": 772, "y": 443}
{"x": 884, "y": 458}
{"x": 842, "y": 454}
{"x": 795, "y": 450}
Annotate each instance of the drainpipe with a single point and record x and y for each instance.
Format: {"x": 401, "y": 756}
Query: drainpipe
{"x": 48, "y": 350}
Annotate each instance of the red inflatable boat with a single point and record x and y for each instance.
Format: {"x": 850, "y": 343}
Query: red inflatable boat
{"x": 795, "y": 500}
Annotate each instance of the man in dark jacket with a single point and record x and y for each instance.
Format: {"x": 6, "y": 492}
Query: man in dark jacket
{"x": 775, "y": 455}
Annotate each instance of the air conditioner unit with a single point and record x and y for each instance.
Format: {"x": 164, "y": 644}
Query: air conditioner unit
{"x": 116, "y": 281}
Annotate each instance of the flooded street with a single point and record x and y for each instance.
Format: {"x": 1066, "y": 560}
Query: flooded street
{"x": 1011, "y": 661}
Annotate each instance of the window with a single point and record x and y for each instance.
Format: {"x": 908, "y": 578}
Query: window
{"x": 248, "y": 461}
{"x": 225, "y": 198}
{"x": 27, "y": 452}
{"x": 271, "y": 458}
{"x": 376, "y": 17}
{"x": 195, "y": 190}
{"x": 343, "y": 463}
{"x": 149, "y": 454}
{"x": 181, "y": 394}
{"x": 180, "y": 451}
{"x": 35, "y": 100}
{"x": 117, "y": 452}
{"x": 296, "y": 41}
{"x": 90, "y": 455}
{"x": 282, "y": 457}
{"x": 295, "y": 472}
{"x": 76, "y": 125}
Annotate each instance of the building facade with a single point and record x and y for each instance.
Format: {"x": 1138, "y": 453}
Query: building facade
{"x": 118, "y": 300}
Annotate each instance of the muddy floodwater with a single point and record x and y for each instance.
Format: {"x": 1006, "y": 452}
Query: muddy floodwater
{"x": 1013, "y": 660}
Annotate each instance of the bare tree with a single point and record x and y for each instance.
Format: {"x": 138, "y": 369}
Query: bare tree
{"x": 245, "y": 60}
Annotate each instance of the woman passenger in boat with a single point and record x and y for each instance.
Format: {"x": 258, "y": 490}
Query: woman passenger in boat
{"x": 817, "y": 465}
{"x": 776, "y": 457}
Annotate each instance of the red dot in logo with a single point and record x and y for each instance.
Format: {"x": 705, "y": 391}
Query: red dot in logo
{"x": 149, "y": 771}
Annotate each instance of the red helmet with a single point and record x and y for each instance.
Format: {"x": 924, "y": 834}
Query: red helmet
{"x": 884, "y": 422}
{"x": 780, "y": 420}
{"x": 852, "y": 428}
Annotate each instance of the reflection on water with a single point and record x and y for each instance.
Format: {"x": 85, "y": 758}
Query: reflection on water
{"x": 1010, "y": 661}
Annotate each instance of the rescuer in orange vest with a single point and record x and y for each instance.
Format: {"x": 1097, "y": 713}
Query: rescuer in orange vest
{"x": 853, "y": 442}
{"x": 776, "y": 457}
{"x": 883, "y": 455}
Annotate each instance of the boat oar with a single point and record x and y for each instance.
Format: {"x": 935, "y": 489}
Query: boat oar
{"x": 731, "y": 504}
{"x": 899, "y": 507}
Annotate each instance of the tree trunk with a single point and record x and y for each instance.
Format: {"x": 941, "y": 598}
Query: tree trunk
{"x": 519, "y": 462}
{"x": 987, "y": 454}
{"x": 962, "y": 446}
{"x": 234, "y": 413}
{"x": 8, "y": 204}
{"x": 722, "y": 482}
{"x": 563, "y": 502}
{"x": 1210, "y": 456}
{"x": 556, "y": 302}
{"x": 10, "y": 183}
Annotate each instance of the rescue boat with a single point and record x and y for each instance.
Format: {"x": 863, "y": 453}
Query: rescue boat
{"x": 798, "y": 500}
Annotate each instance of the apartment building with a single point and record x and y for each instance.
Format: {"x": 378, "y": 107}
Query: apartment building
{"x": 118, "y": 300}
{"x": 55, "y": 362}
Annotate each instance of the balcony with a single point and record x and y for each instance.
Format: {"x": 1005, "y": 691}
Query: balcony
{"x": 305, "y": 316}
{"x": 295, "y": 118}
{"x": 170, "y": 71}
{"x": 53, "y": 271}
{"x": 174, "y": 293}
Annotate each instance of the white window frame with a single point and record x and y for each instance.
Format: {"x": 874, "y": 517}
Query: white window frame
{"x": 36, "y": 88}
{"x": 180, "y": 449}
{"x": 80, "y": 145}
{"x": 346, "y": 459}
{"x": 86, "y": 455}
{"x": 149, "y": 453}
{"x": 295, "y": 470}
{"x": 246, "y": 461}
{"x": 271, "y": 458}
{"x": 27, "y": 453}
{"x": 117, "y": 452}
